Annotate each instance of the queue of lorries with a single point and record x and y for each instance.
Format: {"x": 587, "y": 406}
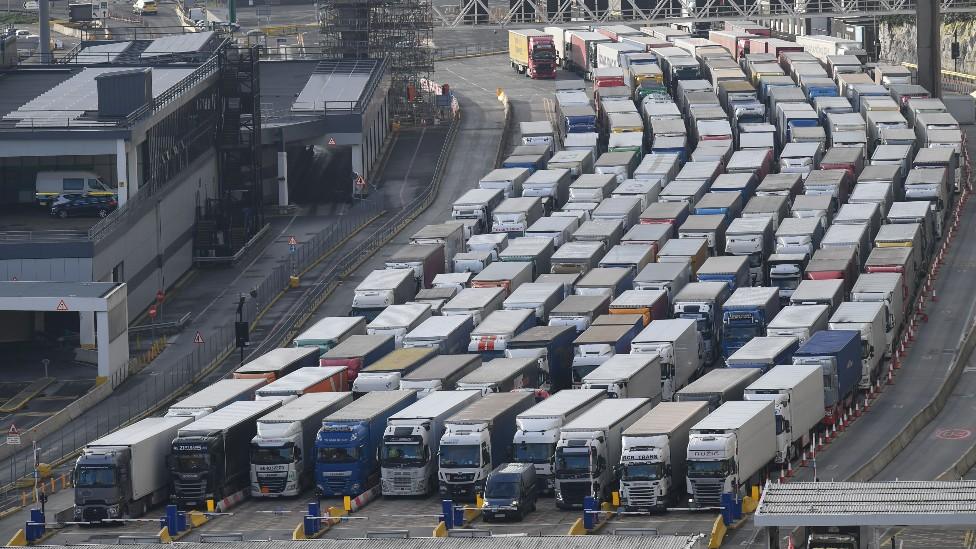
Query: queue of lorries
{"x": 667, "y": 294}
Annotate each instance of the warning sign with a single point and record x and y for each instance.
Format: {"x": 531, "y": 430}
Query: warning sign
{"x": 332, "y": 141}
{"x": 292, "y": 241}
{"x": 198, "y": 338}
{"x": 62, "y": 306}
{"x": 13, "y": 435}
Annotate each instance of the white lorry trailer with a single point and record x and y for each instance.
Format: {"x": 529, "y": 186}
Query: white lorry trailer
{"x": 123, "y": 474}
{"x": 409, "y": 454}
{"x": 886, "y": 288}
{"x": 653, "y": 461}
{"x": 628, "y": 376}
{"x": 283, "y": 451}
{"x": 797, "y": 392}
{"x": 538, "y": 430}
{"x": 216, "y": 396}
{"x": 867, "y": 318}
{"x": 589, "y": 448}
{"x": 718, "y": 386}
{"x": 727, "y": 449}
{"x": 799, "y": 321}
{"x": 680, "y": 346}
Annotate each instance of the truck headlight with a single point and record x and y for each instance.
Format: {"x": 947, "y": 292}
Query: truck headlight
{"x": 112, "y": 511}
{"x": 77, "y": 513}
{"x": 356, "y": 487}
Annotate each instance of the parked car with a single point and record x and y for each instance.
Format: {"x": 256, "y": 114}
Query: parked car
{"x": 80, "y": 205}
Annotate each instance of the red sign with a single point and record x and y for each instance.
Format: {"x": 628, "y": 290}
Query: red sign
{"x": 160, "y": 296}
{"x": 953, "y": 434}
{"x": 62, "y": 306}
{"x": 152, "y": 312}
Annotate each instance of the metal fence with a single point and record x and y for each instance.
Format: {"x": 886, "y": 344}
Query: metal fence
{"x": 460, "y": 52}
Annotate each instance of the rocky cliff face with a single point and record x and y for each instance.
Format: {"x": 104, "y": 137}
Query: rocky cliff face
{"x": 897, "y": 36}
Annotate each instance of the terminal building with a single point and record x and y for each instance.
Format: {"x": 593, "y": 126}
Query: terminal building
{"x": 174, "y": 127}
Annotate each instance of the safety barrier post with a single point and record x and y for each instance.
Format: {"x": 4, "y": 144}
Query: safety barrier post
{"x": 172, "y": 523}
{"x": 447, "y": 510}
{"x": 590, "y": 508}
{"x": 727, "y": 513}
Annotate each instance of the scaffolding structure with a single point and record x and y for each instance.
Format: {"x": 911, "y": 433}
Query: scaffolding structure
{"x": 399, "y": 30}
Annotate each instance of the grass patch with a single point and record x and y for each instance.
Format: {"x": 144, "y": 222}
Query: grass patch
{"x": 17, "y": 18}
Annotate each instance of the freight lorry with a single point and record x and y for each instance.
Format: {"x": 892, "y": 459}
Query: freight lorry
{"x": 508, "y": 275}
{"x": 838, "y": 355}
{"x": 596, "y": 345}
{"x": 799, "y": 321}
{"x": 718, "y": 386}
{"x": 751, "y": 237}
{"x": 536, "y": 297}
{"x": 440, "y": 373}
{"x": 358, "y": 352}
{"x": 532, "y": 52}
{"x": 702, "y": 302}
{"x": 890, "y": 290}
{"x": 283, "y": 451}
{"x": 729, "y": 450}
{"x": 552, "y": 348}
{"x": 476, "y": 440}
{"x": 476, "y": 303}
{"x": 730, "y": 269}
{"x": 538, "y": 429}
{"x": 763, "y": 353}
{"x": 501, "y": 375}
{"x": 628, "y": 376}
{"x": 348, "y": 440}
{"x": 411, "y": 440}
{"x": 867, "y": 318}
{"x": 398, "y": 320}
{"x": 208, "y": 458}
{"x": 277, "y": 363}
{"x": 796, "y": 391}
{"x": 680, "y": 348}
{"x": 216, "y": 396}
{"x": 385, "y": 374}
{"x": 425, "y": 260}
{"x": 746, "y": 314}
{"x": 330, "y": 331}
{"x": 446, "y": 334}
{"x": 668, "y": 277}
{"x": 382, "y": 288}
{"x": 579, "y": 311}
{"x": 589, "y": 450}
{"x": 491, "y": 337}
{"x": 315, "y": 379}
{"x": 124, "y": 474}
{"x": 653, "y": 459}
{"x": 649, "y": 304}
{"x": 477, "y": 204}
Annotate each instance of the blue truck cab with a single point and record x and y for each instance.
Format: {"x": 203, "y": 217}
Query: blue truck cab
{"x": 347, "y": 444}
{"x": 746, "y": 314}
{"x": 838, "y": 352}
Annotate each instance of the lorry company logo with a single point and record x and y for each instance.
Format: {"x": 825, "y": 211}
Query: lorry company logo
{"x": 190, "y": 448}
{"x": 739, "y": 316}
{"x": 264, "y": 468}
{"x": 639, "y": 457}
{"x": 705, "y": 453}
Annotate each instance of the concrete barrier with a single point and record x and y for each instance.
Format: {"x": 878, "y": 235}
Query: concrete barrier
{"x": 59, "y": 419}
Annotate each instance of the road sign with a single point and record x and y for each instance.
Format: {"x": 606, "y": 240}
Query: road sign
{"x": 62, "y": 306}
{"x": 292, "y": 241}
{"x": 332, "y": 141}
{"x": 198, "y": 338}
{"x": 152, "y": 311}
{"x": 13, "y": 435}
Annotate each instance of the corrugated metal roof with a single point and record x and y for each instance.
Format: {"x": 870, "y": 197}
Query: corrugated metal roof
{"x": 543, "y": 542}
{"x": 904, "y": 503}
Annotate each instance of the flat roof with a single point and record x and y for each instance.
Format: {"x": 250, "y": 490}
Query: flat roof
{"x": 336, "y": 81}
{"x": 898, "y": 503}
{"x": 688, "y": 541}
{"x": 17, "y": 87}
{"x": 27, "y": 289}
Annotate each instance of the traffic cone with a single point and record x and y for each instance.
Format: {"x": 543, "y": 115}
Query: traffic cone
{"x": 857, "y": 409}
{"x": 818, "y": 442}
{"x": 789, "y": 469}
{"x": 891, "y": 378}
{"x": 934, "y": 296}
{"x": 782, "y": 476}
{"x": 841, "y": 422}
{"x": 833, "y": 432}
{"x": 867, "y": 400}
{"x": 803, "y": 458}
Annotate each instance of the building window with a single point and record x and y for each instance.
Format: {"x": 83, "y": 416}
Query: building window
{"x": 118, "y": 272}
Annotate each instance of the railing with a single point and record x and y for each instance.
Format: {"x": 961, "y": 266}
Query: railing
{"x": 445, "y": 54}
{"x": 959, "y": 82}
{"x": 53, "y": 235}
{"x": 472, "y": 12}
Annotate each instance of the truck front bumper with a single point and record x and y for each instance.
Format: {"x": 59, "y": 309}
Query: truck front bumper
{"x": 458, "y": 492}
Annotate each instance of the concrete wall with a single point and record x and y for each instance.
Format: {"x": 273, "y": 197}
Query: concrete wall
{"x": 155, "y": 247}
{"x": 56, "y": 269}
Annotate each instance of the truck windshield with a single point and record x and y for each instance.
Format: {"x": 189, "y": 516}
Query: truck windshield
{"x": 95, "y": 477}
{"x": 785, "y": 282}
{"x": 465, "y": 455}
{"x": 270, "y": 455}
{"x": 572, "y": 461}
{"x": 403, "y": 452}
{"x": 709, "y": 468}
{"x": 502, "y": 490}
{"x": 702, "y": 323}
{"x": 338, "y": 455}
{"x": 543, "y": 53}
{"x": 643, "y": 471}
{"x": 190, "y": 462}
{"x": 538, "y": 452}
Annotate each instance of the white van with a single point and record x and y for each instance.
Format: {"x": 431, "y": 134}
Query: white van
{"x": 49, "y": 185}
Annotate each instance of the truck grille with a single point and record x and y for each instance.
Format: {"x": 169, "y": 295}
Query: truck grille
{"x": 707, "y": 493}
{"x": 94, "y": 514}
{"x": 574, "y": 492}
{"x": 335, "y": 486}
{"x": 641, "y": 496}
{"x": 190, "y": 489}
{"x": 272, "y": 484}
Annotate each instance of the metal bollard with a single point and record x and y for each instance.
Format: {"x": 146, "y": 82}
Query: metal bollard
{"x": 727, "y": 504}
{"x": 181, "y": 521}
{"x": 447, "y": 510}
{"x": 171, "y": 522}
{"x": 590, "y": 506}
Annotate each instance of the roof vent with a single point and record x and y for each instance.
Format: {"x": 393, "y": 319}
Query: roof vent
{"x": 120, "y": 93}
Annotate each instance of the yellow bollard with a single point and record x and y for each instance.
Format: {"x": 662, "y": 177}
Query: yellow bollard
{"x": 210, "y": 506}
{"x": 53, "y": 488}
{"x": 755, "y": 492}
{"x": 23, "y": 499}
{"x": 615, "y": 499}
{"x": 347, "y": 503}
